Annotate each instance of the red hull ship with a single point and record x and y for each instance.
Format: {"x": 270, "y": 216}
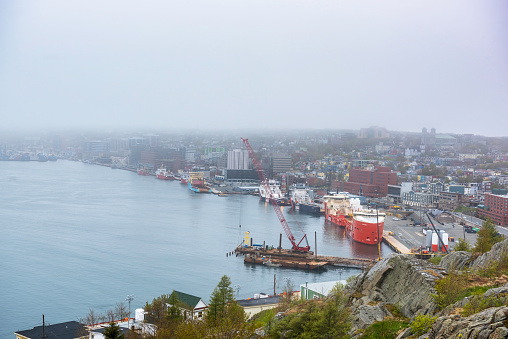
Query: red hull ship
{"x": 143, "y": 171}
{"x": 364, "y": 226}
{"x": 163, "y": 174}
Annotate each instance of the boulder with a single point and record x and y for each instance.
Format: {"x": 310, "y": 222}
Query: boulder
{"x": 498, "y": 251}
{"x": 400, "y": 280}
{"x": 366, "y": 314}
{"x": 490, "y": 323}
{"x": 455, "y": 260}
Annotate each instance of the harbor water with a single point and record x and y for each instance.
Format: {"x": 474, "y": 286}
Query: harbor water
{"x": 76, "y": 236}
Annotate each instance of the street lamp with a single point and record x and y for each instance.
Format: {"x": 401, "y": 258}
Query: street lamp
{"x": 129, "y": 298}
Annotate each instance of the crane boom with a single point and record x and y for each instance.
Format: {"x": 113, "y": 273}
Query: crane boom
{"x": 259, "y": 169}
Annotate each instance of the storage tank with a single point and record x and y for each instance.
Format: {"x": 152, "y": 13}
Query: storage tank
{"x": 428, "y": 240}
{"x": 445, "y": 240}
{"x": 139, "y": 315}
{"x": 435, "y": 241}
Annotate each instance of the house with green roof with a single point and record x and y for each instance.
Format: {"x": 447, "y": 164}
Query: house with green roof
{"x": 191, "y": 305}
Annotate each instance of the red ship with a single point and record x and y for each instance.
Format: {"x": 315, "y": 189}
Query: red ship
{"x": 163, "y": 174}
{"x": 143, "y": 171}
{"x": 364, "y": 226}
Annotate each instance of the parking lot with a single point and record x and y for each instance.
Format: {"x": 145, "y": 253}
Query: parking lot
{"x": 412, "y": 236}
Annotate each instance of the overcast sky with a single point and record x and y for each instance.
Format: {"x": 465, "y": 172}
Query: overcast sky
{"x": 229, "y": 64}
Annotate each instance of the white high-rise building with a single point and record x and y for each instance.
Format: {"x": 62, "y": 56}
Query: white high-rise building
{"x": 238, "y": 159}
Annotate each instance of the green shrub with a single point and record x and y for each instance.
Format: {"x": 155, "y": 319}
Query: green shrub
{"x": 462, "y": 245}
{"x": 451, "y": 288}
{"x": 435, "y": 260}
{"x": 478, "y": 302}
{"x": 422, "y": 324}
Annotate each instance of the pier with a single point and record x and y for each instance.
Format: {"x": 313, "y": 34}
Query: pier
{"x": 394, "y": 244}
{"x": 288, "y": 258}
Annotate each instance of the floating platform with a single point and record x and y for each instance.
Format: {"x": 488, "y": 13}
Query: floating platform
{"x": 302, "y": 260}
{"x": 284, "y": 262}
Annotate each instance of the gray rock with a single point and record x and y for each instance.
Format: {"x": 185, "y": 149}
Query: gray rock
{"x": 403, "y": 281}
{"x": 486, "y": 324}
{"x": 485, "y": 260}
{"x": 404, "y": 334}
{"x": 455, "y": 260}
{"x": 366, "y": 315}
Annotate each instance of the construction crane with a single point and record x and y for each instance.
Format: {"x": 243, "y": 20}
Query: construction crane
{"x": 273, "y": 202}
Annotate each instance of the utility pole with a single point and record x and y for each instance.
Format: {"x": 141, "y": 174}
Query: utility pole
{"x": 378, "y": 240}
{"x": 43, "y": 328}
{"x": 129, "y": 298}
{"x": 274, "y": 286}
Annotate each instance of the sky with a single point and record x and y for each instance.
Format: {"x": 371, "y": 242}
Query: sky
{"x": 262, "y": 64}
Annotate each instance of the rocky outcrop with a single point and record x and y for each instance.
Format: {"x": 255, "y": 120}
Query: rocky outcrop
{"x": 455, "y": 260}
{"x": 399, "y": 280}
{"x": 497, "y": 252}
{"x": 490, "y": 323}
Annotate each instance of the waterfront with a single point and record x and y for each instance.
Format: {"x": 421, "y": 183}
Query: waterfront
{"x": 78, "y": 236}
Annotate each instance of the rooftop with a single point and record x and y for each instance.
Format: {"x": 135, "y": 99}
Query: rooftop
{"x": 67, "y": 330}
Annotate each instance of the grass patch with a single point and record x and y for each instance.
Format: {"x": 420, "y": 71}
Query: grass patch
{"x": 357, "y": 295}
{"x": 386, "y": 329}
{"x": 435, "y": 260}
{"x": 262, "y": 318}
{"x": 395, "y": 311}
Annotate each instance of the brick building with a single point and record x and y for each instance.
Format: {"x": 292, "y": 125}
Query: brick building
{"x": 370, "y": 183}
{"x": 449, "y": 201}
{"x": 495, "y": 207}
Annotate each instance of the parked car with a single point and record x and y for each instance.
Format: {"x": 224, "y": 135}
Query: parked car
{"x": 395, "y": 219}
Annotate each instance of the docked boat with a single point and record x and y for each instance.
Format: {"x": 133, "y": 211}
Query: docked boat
{"x": 270, "y": 263}
{"x": 276, "y": 193}
{"x": 362, "y": 225}
{"x": 163, "y": 174}
{"x": 197, "y": 183}
{"x": 143, "y": 171}
{"x": 302, "y": 200}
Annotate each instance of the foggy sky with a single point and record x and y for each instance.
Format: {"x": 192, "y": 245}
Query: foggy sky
{"x": 239, "y": 64}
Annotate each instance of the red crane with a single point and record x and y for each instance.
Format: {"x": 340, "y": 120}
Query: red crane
{"x": 276, "y": 207}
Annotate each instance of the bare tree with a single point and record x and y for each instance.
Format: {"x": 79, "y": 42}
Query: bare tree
{"x": 111, "y": 316}
{"x": 121, "y": 310}
{"x": 91, "y": 318}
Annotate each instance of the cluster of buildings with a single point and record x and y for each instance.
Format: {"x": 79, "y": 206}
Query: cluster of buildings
{"x": 420, "y": 170}
{"x": 191, "y": 307}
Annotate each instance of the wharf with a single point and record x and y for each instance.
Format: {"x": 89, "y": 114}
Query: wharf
{"x": 288, "y": 258}
{"x": 394, "y": 244}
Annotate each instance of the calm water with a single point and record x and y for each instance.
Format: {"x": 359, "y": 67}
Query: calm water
{"x": 76, "y": 236}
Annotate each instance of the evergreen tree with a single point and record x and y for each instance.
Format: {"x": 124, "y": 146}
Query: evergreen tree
{"x": 221, "y": 296}
{"x": 487, "y": 237}
{"x": 463, "y": 245}
{"x": 174, "y": 312}
{"x": 113, "y": 332}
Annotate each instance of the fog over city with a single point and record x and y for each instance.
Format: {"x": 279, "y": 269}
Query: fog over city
{"x": 231, "y": 65}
